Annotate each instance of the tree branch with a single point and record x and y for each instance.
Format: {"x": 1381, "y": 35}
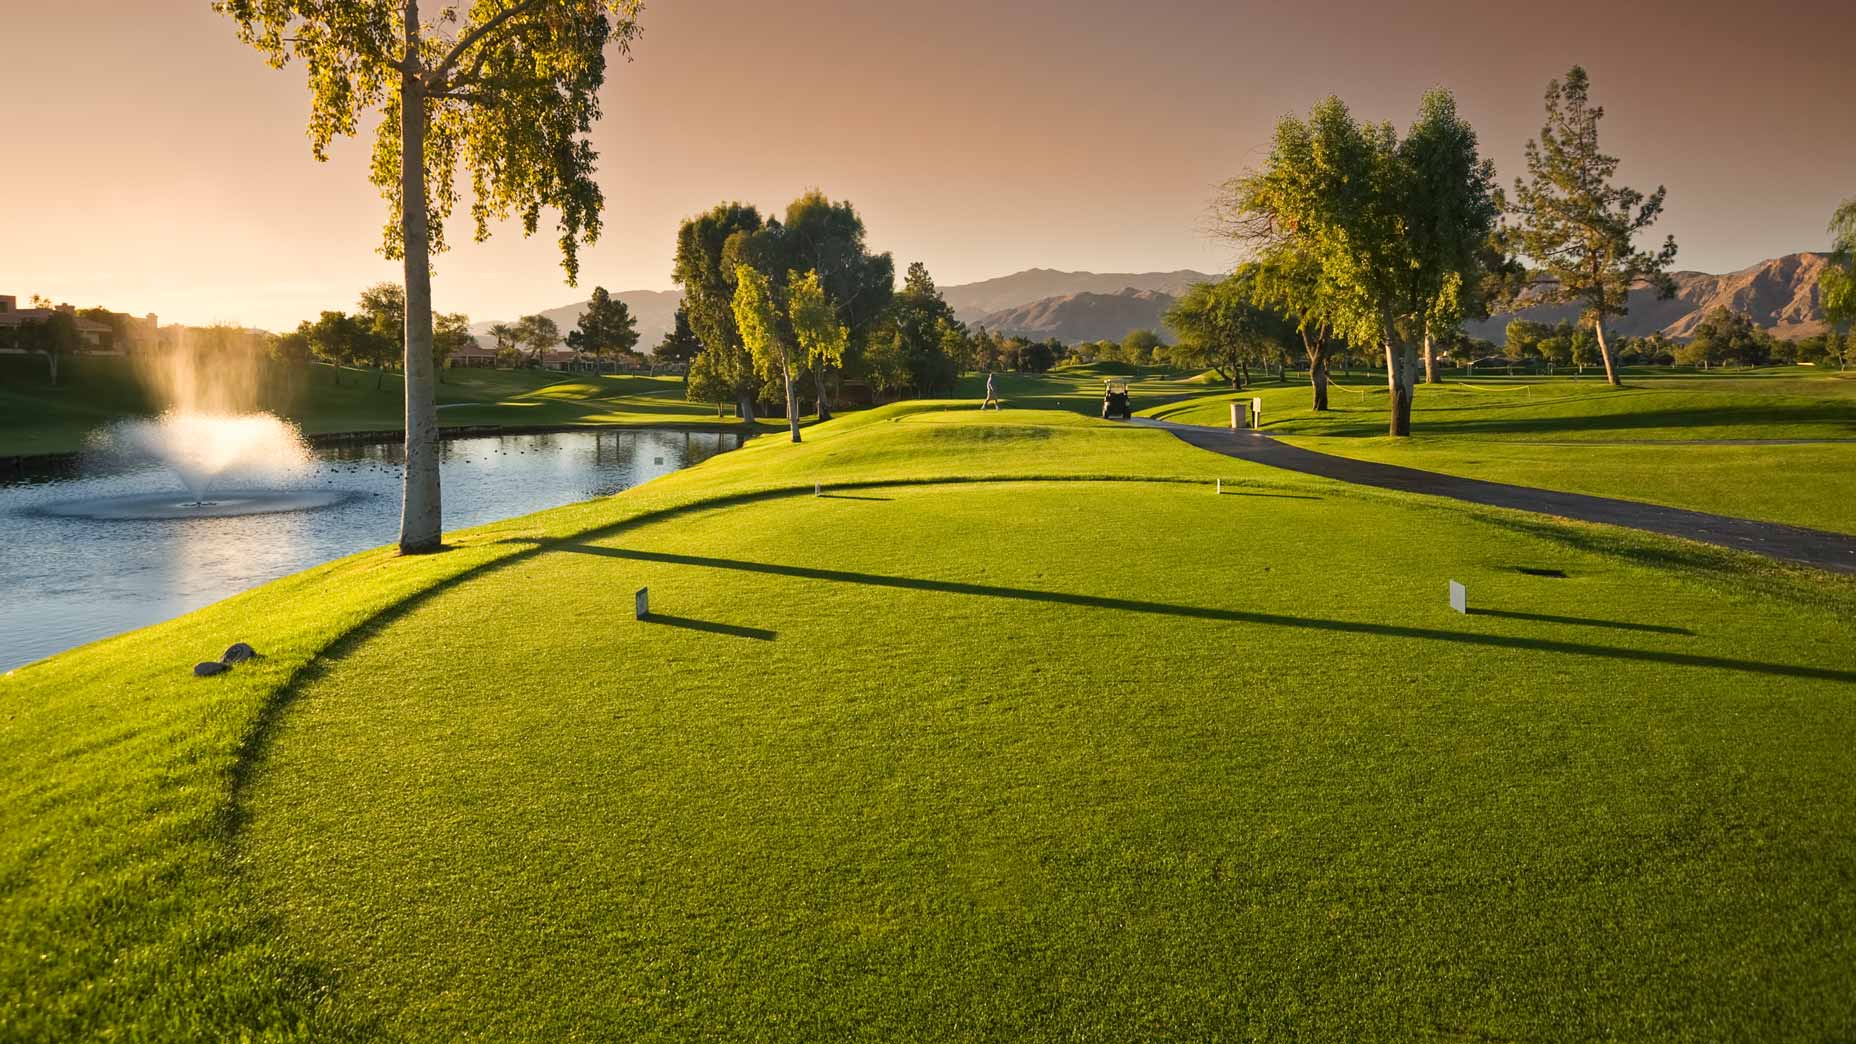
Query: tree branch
{"x": 435, "y": 78}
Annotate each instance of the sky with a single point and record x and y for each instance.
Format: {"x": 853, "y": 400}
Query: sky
{"x": 149, "y": 162}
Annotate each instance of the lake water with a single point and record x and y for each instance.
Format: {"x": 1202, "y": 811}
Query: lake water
{"x": 65, "y": 581}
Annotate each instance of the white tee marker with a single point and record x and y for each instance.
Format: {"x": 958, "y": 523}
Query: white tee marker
{"x": 643, "y": 608}
{"x": 1459, "y": 598}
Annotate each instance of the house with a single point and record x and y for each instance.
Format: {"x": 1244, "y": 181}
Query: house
{"x": 474, "y": 355}
{"x": 92, "y": 336}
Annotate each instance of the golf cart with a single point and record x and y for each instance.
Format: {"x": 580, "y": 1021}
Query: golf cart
{"x": 1115, "y": 399}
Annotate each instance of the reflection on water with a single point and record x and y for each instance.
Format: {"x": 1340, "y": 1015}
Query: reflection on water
{"x": 67, "y": 581}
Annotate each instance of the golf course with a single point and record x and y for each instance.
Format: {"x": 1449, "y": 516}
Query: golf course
{"x": 1013, "y": 707}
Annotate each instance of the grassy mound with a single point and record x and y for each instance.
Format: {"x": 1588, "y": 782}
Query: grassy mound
{"x": 1020, "y": 733}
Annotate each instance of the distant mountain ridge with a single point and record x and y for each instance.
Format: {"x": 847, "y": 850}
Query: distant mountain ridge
{"x": 1083, "y": 316}
{"x": 1780, "y": 294}
{"x": 974, "y": 302}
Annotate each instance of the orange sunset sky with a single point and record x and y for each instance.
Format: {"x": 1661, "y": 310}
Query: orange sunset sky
{"x": 151, "y": 162}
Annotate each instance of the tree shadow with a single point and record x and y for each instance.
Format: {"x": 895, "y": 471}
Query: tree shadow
{"x": 1581, "y": 621}
{"x": 848, "y": 496}
{"x": 1277, "y": 496}
{"x": 1499, "y": 641}
{"x": 709, "y": 627}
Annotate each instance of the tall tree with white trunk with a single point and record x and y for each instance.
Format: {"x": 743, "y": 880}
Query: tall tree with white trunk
{"x": 506, "y": 89}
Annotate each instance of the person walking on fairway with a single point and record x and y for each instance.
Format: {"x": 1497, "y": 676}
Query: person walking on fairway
{"x": 992, "y": 397}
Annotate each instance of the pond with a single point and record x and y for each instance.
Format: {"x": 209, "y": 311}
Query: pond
{"x": 67, "y": 579}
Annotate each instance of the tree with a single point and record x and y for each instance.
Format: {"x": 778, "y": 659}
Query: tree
{"x": 1389, "y": 222}
{"x": 822, "y": 339}
{"x": 764, "y": 333}
{"x": 708, "y": 298}
{"x": 292, "y": 347}
{"x": 537, "y": 333}
{"x": 450, "y": 333}
{"x": 827, "y": 238}
{"x": 680, "y": 344}
{"x": 507, "y": 339}
{"x": 1726, "y": 337}
{"x": 383, "y": 306}
{"x": 1290, "y": 281}
{"x": 605, "y": 328}
{"x": 54, "y": 337}
{"x": 1836, "y": 285}
{"x": 340, "y": 339}
{"x": 1579, "y": 228}
{"x": 1522, "y": 338}
{"x": 1223, "y": 328}
{"x": 508, "y": 89}
{"x": 919, "y": 319}
{"x": 1138, "y": 347}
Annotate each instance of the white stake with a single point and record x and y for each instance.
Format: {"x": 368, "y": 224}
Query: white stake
{"x": 643, "y": 606}
{"x": 1221, "y": 487}
{"x": 1459, "y": 598}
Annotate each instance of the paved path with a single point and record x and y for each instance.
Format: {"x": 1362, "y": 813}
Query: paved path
{"x": 1832, "y": 551}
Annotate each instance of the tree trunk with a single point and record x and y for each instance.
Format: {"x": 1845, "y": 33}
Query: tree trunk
{"x": 1431, "y": 376}
{"x": 51, "y": 363}
{"x": 1282, "y": 368}
{"x": 1399, "y": 373}
{"x": 824, "y": 404}
{"x": 1318, "y": 375}
{"x": 1604, "y": 352}
{"x": 1244, "y": 368}
{"x": 421, "y": 526}
{"x": 792, "y": 403}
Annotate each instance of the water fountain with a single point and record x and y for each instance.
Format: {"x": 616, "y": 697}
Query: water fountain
{"x": 227, "y": 456}
{"x": 225, "y": 464}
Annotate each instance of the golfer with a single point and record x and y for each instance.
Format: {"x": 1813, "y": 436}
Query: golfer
{"x": 992, "y": 397}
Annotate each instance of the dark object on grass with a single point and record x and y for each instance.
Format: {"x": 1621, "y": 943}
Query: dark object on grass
{"x": 210, "y": 668}
{"x": 1115, "y": 400}
{"x": 239, "y": 653}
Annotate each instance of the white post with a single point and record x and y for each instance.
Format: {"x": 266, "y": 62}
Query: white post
{"x": 642, "y": 608}
{"x": 1256, "y": 413}
{"x": 1459, "y": 598}
{"x": 1234, "y": 424}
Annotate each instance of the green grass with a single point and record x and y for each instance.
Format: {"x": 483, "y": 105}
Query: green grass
{"x": 1022, "y": 734}
{"x": 1642, "y": 442}
{"x": 37, "y": 417}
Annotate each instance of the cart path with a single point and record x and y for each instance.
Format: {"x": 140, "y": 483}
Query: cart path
{"x": 1813, "y": 547}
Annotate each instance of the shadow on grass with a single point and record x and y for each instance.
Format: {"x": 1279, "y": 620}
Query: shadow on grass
{"x": 710, "y": 627}
{"x": 1278, "y": 496}
{"x": 847, "y": 496}
{"x": 1500, "y": 641}
{"x": 1581, "y": 621}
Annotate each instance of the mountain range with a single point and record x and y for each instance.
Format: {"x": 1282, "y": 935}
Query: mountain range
{"x": 1780, "y": 294}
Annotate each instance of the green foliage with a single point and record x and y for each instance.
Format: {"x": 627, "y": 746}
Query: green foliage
{"x": 726, "y": 370}
{"x": 821, "y": 338}
{"x": 1836, "y": 285}
{"x": 510, "y": 92}
{"x": 383, "y": 307}
{"x": 538, "y": 334}
{"x": 606, "y": 328}
{"x": 450, "y": 333}
{"x": 1223, "y": 327}
{"x": 680, "y": 343}
{"x": 1385, "y": 229}
{"x": 1726, "y": 337}
{"x": 919, "y": 328}
{"x": 1580, "y": 229}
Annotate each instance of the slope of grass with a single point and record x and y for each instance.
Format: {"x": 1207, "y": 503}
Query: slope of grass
{"x": 37, "y": 417}
{"x": 1810, "y": 485}
{"x": 1083, "y": 752}
{"x": 1685, "y": 408}
{"x": 1643, "y": 442}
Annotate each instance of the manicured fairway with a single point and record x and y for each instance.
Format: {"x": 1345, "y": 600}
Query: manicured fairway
{"x": 1084, "y": 751}
{"x": 1647, "y": 441}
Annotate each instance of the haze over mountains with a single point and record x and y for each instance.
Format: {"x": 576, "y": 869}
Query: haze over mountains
{"x": 1780, "y": 294}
